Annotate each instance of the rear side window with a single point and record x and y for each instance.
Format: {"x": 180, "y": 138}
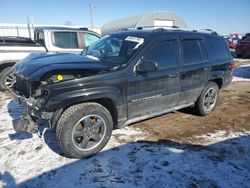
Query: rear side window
{"x": 191, "y": 51}
{"x": 164, "y": 54}
{"x": 218, "y": 48}
{"x": 65, "y": 39}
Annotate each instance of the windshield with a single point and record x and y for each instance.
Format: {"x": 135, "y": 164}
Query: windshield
{"x": 114, "y": 49}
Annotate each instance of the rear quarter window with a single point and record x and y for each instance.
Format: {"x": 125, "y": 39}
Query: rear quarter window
{"x": 218, "y": 48}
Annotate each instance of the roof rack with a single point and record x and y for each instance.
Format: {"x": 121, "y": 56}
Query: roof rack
{"x": 157, "y": 27}
{"x": 176, "y": 28}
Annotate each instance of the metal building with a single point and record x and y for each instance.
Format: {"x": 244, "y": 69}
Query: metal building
{"x": 155, "y": 19}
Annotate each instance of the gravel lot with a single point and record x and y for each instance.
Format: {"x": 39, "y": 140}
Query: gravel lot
{"x": 178, "y": 149}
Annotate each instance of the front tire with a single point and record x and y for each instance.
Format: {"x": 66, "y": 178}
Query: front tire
{"x": 208, "y": 99}
{"x": 84, "y": 129}
{"x": 7, "y": 80}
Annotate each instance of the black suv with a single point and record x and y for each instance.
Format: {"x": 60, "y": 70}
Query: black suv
{"x": 123, "y": 78}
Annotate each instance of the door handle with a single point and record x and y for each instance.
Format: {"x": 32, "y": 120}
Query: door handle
{"x": 173, "y": 75}
{"x": 207, "y": 68}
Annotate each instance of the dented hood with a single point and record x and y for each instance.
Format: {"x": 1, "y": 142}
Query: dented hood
{"x": 36, "y": 65}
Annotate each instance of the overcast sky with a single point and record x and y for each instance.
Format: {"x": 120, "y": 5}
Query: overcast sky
{"x": 224, "y": 16}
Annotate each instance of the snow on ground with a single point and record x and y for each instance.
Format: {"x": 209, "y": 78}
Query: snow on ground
{"x": 127, "y": 161}
{"x": 241, "y": 60}
{"x": 219, "y": 136}
{"x": 242, "y": 73}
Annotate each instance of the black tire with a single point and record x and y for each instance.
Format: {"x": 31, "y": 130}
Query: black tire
{"x": 68, "y": 126}
{"x": 200, "y": 107}
{"x": 3, "y": 76}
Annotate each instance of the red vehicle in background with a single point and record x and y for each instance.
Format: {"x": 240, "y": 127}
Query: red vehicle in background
{"x": 242, "y": 49}
{"x": 231, "y": 45}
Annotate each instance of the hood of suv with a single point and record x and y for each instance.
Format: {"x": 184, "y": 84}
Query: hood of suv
{"x": 37, "y": 65}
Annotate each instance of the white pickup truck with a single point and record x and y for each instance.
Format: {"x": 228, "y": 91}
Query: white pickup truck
{"x": 46, "y": 39}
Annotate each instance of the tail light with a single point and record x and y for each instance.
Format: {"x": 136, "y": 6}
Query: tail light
{"x": 232, "y": 66}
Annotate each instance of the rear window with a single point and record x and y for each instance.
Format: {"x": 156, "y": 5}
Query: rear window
{"x": 218, "y": 48}
{"x": 66, "y": 39}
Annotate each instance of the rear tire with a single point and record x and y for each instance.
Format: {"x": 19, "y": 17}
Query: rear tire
{"x": 208, "y": 99}
{"x": 84, "y": 129}
{"x": 6, "y": 79}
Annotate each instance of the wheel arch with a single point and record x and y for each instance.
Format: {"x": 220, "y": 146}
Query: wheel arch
{"x": 6, "y": 64}
{"x": 218, "y": 81}
{"x": 108, "y": 103}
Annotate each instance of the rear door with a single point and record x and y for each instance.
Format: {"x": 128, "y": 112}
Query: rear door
{"x": 152, "y": 92}
{"x": 195, "y": 68}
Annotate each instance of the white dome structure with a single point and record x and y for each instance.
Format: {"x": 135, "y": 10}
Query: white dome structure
{"x": 155, "y": 19}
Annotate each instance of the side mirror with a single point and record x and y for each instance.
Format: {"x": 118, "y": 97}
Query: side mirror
{"x": 146, "y": 66}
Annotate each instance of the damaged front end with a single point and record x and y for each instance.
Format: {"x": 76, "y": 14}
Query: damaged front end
{"x": 39, "y": 85}
{"x": 25, "y": 124}
{"x": 32, "y": 110}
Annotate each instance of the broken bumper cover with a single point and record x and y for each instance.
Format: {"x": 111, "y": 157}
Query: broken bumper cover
{"x": 31, "y": 112}
{"x": 24, "y": 124}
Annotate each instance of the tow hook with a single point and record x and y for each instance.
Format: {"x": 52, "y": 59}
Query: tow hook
{"x": 25, "y": 124}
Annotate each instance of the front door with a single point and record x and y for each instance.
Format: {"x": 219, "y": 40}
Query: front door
{"x": 154, "y": 91}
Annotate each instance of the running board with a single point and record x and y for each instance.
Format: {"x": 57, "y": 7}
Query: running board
{"x": 134, "y": 120}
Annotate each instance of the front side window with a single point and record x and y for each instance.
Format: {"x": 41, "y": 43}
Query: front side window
{"x": 114, "y": 49}
{"x": 89, "y": 38}
{"x": 164, "y": 54}
{"x": 65, "y": 39}
{"x": 191, "y": 51}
